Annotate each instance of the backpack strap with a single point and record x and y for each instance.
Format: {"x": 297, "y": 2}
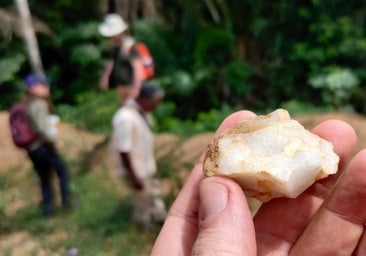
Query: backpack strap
{"x": 127, "y": 44}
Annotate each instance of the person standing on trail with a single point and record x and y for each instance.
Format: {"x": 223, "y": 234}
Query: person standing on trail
{"x": 124, "y": 64}
{"x": 42, "y": 151}
{"x": 133, "y": 144}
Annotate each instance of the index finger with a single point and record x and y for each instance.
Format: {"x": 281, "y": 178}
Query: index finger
{"x": 180, "y": 228}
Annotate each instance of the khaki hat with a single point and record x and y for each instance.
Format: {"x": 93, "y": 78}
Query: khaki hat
{"x": 112, "y": 25}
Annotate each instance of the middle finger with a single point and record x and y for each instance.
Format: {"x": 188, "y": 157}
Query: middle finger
{"x": 279, "y": 222}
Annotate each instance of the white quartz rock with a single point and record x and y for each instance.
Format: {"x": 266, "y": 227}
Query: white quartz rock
{"x": 271, "y": 156}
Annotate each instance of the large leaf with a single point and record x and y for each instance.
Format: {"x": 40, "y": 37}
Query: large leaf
{"x": 9, "y": 67}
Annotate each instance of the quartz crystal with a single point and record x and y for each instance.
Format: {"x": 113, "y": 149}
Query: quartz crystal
{"x": 270, "y": 156}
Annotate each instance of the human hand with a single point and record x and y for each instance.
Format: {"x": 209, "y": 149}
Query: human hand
{"x": 211, "y": 216}
{"x": 136, "y": 183}
{"x": 59, "y": 145}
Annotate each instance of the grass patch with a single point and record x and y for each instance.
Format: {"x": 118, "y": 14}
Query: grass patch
{"x": 99, "y": 225}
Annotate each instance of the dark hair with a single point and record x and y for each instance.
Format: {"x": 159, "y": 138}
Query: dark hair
{"x": 150, "y": 90}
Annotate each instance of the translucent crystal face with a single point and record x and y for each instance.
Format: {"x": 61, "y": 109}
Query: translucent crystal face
{"x": 271, "y": 156}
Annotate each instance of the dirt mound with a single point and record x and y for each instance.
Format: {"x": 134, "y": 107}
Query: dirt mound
{"x": 9, "y": 155}
{"x": 358, "y": 123}
{"x": 74, "y": 142}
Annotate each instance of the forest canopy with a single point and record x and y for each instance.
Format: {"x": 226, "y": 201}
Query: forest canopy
{"x": 211, "y": 54}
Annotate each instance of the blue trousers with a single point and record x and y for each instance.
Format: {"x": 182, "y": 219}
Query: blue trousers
{"x": 45, "y": 159}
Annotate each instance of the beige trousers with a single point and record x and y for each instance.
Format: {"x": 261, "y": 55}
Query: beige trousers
{"x": 148, "y": 205}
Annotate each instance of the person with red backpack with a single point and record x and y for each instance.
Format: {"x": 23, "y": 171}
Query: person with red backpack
{"x": 131, "y": 61}
{"x": 33, "y": 131}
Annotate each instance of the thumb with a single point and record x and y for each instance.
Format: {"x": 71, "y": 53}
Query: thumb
{"x": 225, "y": 222}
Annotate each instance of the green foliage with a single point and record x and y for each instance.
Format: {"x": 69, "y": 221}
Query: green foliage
{"x": 103, "y": 106}
{"x": 94, "y": 112}
{"x": 211, "y": 120}
{"x": 163, "y": 44}
{"x": 214, "y": 47}
{"x": 337, "y": 85}
{"x": 295, "y": 107}
{"x": 54, "y": 12}
{"x": 332, "y": 40}
{"x": 11, "y": 86}
{"x": 238, "y": 74}
{"x": 9, "y": 67}
{"x": 85, "y": 55}
{"x": 176, "y": 70}
{"x": 209, "y": 52}
{"x": 206, "y": 121}
{"x": 80, "y": 50}
{"x": 182, "y": 82}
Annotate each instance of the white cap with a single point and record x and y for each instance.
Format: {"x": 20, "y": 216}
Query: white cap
{"x": 112, "y": 25}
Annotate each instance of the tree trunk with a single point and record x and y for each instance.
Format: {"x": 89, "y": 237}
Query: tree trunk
{"x": 123, "y": 8}
{"x": 29, "y": 36}
{"x": 131, "y": 10}
{"x": 149, "y": 8}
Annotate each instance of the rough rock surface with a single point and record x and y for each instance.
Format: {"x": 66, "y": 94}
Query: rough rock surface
{"x": 271, "y": 156}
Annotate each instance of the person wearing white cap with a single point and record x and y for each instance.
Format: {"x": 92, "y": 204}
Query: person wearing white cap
{"x": 113, "y": 25}
{"x": 125, "y": 63}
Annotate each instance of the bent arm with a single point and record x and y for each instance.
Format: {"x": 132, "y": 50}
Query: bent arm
{"x": 131, "y": 174}
{"x": 104, "y": 79}
{"x": 38, "y": 113}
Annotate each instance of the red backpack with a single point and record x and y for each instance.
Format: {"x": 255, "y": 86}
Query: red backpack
{"x": 21, "y": 131}
{"x": 147, "y": 60}
{"x": 148, "y": 67}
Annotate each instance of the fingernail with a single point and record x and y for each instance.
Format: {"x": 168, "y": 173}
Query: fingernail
{"x": 213, "y": 198}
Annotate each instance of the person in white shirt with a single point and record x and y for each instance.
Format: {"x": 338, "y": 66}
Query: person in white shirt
{"x": 133, "y": 143}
